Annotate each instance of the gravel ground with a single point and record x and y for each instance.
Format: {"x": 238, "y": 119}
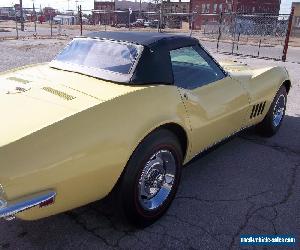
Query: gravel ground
{"x": 247, "y": 185}
{"x": 16, "y": 53}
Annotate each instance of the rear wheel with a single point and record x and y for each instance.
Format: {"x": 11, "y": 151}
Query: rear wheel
{"x": 151, "y": 178}
{"x": 273, "y": 120}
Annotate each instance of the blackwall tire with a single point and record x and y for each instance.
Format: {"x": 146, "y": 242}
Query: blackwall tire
{"x": 151, "y": 178}
{"x": 273, "y": 120}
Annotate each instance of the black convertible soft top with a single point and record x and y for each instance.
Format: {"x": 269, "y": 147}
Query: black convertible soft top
{"x": 154, "y": 65}
{"x": 148, "y": 39}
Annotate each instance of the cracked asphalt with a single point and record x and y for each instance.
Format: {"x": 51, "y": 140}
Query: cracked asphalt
{"x": 247, "y": 185}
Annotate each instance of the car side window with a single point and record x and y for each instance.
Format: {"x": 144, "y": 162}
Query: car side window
{"x": 193, "y": 68}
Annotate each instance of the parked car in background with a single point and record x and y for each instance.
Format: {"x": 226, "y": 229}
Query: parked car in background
{"x": 157, "y": 24}
{"x": 147, "y": 23}
{"x": 121, "y": 25}
{"x": 139, "y": 23}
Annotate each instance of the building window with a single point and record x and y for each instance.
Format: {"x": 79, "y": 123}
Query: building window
{"x": 215, "y": 8}
{"x": 203, "y": 8}
{"x": 221, "y": 7}
{"x": 207, "y": 8}
{"x": 297, "y": 24}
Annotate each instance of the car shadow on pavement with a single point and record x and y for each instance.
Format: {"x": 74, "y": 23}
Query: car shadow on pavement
{"x": 247, "y": 185}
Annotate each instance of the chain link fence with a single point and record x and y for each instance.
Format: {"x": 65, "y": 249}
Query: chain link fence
{"x": 258, "y": 35}
{"x": 250, "y": 35}
{"x": 12, "y": 26}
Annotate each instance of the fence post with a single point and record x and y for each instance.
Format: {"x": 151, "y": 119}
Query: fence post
{"x": 105, "y": 20}
{"x": 288, "y": 33}
{"x": 259, "y": 46}
{"x": 80, "y": 18}
{"x": 51, "y": 25}
{"x": 191, "y": 24}
{"x": 21, "y": 15}
{"x": 129, "y": 14}
{"x": 17, "y": 29}
{"x": 238, "y": 42}
{"x": 263, "y": 35}
{"x": 34, "y": 13}
{"x": 220, "y": 28}
{"x": 158, "y": 21}
{"x": 233, "y": 21}
{"x": 160, "y": 16}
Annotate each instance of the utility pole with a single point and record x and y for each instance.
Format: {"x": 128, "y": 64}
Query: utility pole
{"x": 34, "y": 13}
{"x": 80, "y": 18}
{"x": 288, "y": 34}
{"x": 129, "y": 14}
{"x": 51, "y": 24}
{"x": 17, "y": 29}
{"x": 140, "y": 8}
{"x": 160, "y": 16}
{"x": 21, "y": 14}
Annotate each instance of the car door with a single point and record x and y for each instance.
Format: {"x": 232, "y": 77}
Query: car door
{"x": 216, "y": 104}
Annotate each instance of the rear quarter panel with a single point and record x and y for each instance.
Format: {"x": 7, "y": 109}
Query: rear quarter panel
{"x": 82, "y": 157}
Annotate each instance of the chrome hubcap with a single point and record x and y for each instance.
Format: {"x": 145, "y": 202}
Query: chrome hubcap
{"x": 279, "y": 109}
{"x": 157, "y": 179}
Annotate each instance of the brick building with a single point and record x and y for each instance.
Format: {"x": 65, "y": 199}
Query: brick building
{"x": 173, "y": 7}
{"x": 118, "y": 17}
{"x": 49, "y": 13}
{"x": 296, "y": 20}
{"x": 101, "y": 17}
{"x": 7, "y": 13}
{"x": 112, "y": 16}
{"x": 258, "y": 6}
{"x": 209, "y": 10}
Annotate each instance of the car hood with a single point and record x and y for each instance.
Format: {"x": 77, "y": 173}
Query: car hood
{"x": 35, "y": 97}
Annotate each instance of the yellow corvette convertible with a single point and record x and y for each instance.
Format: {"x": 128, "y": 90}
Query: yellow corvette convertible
{"x": 124, "y": 112}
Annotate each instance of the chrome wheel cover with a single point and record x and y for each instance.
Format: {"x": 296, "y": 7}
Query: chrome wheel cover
{"x": 157, "y": 180}
{"x": 279, "y": 110}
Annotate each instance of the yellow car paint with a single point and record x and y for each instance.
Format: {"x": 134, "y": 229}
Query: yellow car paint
{"x": 76, "y": 136}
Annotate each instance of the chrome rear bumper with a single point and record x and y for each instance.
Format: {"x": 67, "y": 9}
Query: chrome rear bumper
{"x": 8, "y": 210}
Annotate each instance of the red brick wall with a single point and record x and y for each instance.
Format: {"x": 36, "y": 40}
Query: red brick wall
{"x": 104, "y": 18}
{"x": 104, "y": 5}
{"x": 209, "y": 10}
{"x": 258, "y": 6}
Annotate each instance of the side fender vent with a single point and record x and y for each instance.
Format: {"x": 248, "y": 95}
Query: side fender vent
{"x": 257, "y": 110}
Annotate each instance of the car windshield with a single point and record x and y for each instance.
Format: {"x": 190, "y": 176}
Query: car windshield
{"x": 106, "y": 55}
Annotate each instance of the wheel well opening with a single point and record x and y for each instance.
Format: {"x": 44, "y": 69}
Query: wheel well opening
{"x": 287, "y": 85}
{"x": 181, "y": 135}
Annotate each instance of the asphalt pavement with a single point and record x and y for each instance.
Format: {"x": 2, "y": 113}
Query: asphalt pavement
{"x": 248, "y": 185}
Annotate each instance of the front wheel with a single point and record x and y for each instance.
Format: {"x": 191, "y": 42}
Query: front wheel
{"x": 273, "y": 120}
{"x": 151, "y": 178}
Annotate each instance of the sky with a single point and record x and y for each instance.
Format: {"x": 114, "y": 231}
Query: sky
{"x": 286, "y": 6}
{"x": 89, "y": 4}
